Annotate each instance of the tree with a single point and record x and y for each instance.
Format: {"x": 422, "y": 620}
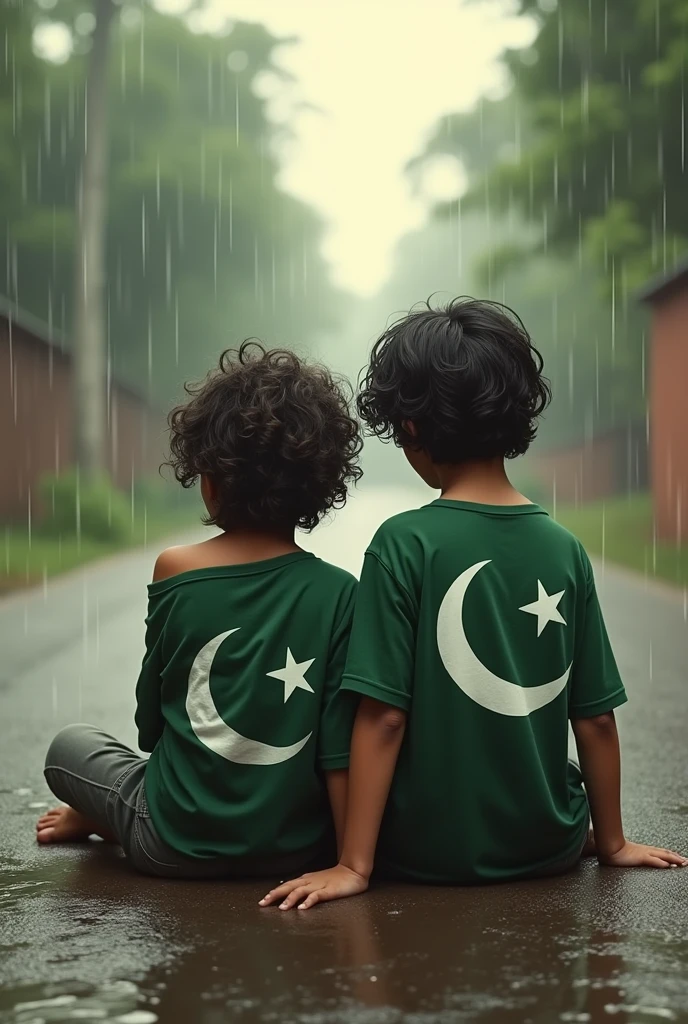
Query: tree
{"x": 602, "y": 89}
{"x": 89, "y": 271}
{"x": 203, "y": 247}
{"x": 579, "y": 175}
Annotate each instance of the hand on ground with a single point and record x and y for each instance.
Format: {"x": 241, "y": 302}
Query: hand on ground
{"x": 317, "y": 887}
{"x": 635, "y": 855}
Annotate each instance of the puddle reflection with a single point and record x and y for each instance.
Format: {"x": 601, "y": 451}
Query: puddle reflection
{"x": 90, "y": 940}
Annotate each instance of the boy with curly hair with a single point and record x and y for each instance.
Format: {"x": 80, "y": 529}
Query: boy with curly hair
{"x": 477, "y": 637}
{"x": 245, "y": 646}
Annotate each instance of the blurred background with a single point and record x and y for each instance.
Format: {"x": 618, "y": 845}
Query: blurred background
{"x": 178, "y": 176}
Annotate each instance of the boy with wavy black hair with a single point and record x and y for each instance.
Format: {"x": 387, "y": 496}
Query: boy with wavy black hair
{"x": 245, "y": 646}
{"x": 477, "y": 637}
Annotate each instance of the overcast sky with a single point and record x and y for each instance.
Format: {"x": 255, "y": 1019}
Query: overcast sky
{"x": 382, "y": 71}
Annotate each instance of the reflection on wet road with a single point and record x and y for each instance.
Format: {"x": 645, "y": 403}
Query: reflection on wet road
{"x": 83, "y": 938}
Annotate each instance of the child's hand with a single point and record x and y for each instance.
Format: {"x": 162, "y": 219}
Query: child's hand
{"x": 317, "y": 887}
{"x": 635, "y": 855}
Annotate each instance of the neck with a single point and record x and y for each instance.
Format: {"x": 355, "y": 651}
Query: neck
{"x": 484, "y": 483}
{"x": 249, "y": 545}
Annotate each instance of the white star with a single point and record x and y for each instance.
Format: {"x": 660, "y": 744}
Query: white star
{"x": 545, "y": 608}
{"x": 293, "y": 675}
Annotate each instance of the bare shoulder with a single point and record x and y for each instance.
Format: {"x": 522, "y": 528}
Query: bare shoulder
{"x": 172, "y": 561}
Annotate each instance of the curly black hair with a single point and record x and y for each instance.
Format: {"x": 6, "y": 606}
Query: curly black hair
{"x": 466, "y": 375}
{"x": 274, "y": 433}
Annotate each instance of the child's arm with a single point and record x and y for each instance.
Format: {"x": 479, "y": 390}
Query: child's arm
{"x": 375, "y": 744}
{"x": 380, "y": 676}
{"x": 337, "y": 789}
{"x": 596, "y": 689}
{"x": 376, "y": 741}
{"x": 598, "y": 748}
{"x": 337, "y": 717}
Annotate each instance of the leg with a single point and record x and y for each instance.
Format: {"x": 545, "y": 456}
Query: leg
{"x": 102, "y": 782}
{"x": 85, "y": 768}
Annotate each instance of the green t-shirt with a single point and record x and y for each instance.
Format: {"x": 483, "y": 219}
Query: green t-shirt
{"x": 237, "y": 700}
{"x": 482, "y": 622}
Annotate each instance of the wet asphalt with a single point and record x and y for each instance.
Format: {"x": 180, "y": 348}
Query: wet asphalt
{"x": 84, "y": 938}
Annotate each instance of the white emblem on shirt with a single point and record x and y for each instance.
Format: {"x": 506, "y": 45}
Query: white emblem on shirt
{"x": 468, "y": 671}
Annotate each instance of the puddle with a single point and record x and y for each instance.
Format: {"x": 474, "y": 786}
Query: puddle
{"x": 9, "y": 891}
{"x": 641, "y": 1012}
{"x": 119, "y": 1002}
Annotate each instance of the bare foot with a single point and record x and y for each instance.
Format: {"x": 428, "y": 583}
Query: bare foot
{"x": 65, "y": 825}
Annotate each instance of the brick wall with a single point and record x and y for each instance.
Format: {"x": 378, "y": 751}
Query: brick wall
{"x": 612, "y": 463}
{"x": 36, "y": 421}
{"x": 669, "y": 415}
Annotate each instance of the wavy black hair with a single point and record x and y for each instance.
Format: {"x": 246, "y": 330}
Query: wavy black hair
{"x": 466, "y": 375}
{"x": 274, "y": 433}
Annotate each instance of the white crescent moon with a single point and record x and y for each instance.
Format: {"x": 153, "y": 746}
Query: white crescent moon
{"x": 213, "y": 731}
{"x": 468, "y": 671}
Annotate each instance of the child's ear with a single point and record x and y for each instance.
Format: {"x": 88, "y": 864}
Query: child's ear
{"x": 410, "y": 427}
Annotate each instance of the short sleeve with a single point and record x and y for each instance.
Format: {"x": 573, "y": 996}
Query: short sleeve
{"x": 383, "y": 637}
{"x": 596, "y": 685}
{"x": 338, "y": 708}
{"x": 149, "y": 718}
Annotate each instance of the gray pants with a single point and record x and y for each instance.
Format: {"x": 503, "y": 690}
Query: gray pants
{"x": 102, "y": 779}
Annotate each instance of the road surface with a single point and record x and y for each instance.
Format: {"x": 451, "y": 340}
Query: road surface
{"x": 83, "y": 938}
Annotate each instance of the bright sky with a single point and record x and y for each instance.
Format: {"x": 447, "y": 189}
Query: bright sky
{"x": 381, "y": 73}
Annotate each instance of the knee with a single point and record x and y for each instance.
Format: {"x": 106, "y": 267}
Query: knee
{"x": 63, "y": 745}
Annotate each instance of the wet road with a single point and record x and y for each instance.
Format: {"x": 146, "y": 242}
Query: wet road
{"x": 83, "y": 938}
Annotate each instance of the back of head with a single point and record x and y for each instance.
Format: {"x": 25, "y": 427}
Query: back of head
{"x": 275, "y": 436}
{"x": 465, "y": 375}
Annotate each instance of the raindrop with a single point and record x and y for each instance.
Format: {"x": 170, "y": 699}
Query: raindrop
{"x": 176, "y": 330}
{"x": 143, "y": 235}
{"x": 604, "y": 536}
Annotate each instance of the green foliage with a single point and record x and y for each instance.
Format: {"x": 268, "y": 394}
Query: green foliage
{"x": 95, "y": 510}
{"x": 622, "y": 531}
{"x": 579, "y": 176}
{"x": 203, "y": 246}
{"x": 158, "y": 495}
{"x": 604, "y": 97}
{"x": 593, "y": 354}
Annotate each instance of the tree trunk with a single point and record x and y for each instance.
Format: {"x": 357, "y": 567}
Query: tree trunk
{"x": 89, "y": 298}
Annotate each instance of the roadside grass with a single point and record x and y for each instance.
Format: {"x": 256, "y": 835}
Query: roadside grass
{"x": 29, "y": 556}
{"x": 620, "y": 530}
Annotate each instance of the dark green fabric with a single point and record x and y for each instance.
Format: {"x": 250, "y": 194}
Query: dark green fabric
{"x": 292, "y": 609}
{"x": 481, "y": 792}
